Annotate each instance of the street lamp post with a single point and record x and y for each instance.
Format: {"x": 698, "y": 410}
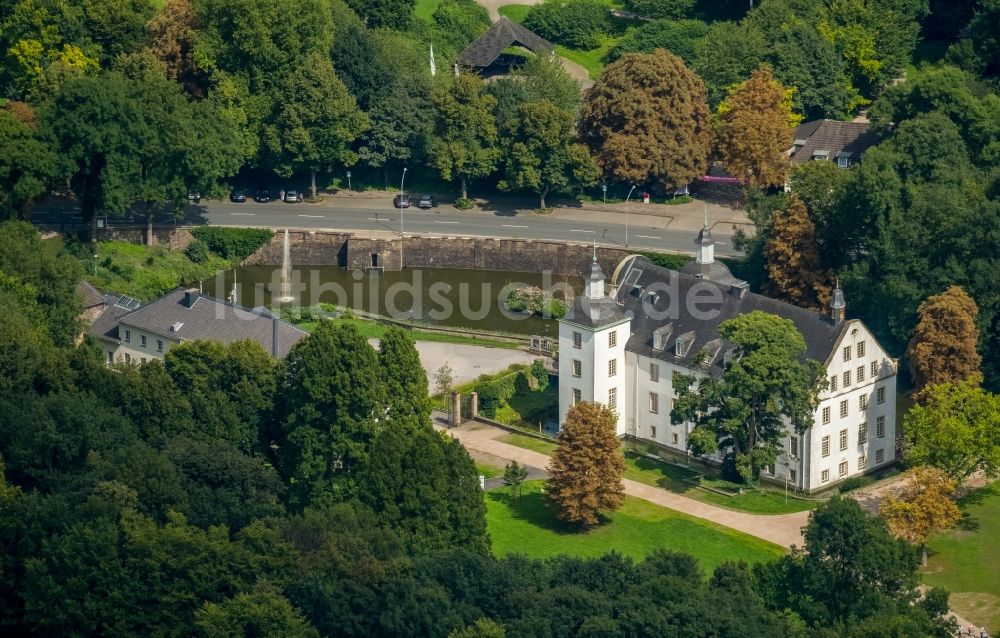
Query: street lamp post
{"x": 626, "y": 213}
{"x": 348, "y": 181}
{"x": 401, "y": 207}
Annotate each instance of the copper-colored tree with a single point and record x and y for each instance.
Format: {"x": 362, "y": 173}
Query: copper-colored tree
{"x": 646, "y": 118}
{"x": 943, "y": 347}
{"x": 924, "y": 505}
{"x": 755, "y": 130}
{"x": 794, "y": 268}
{"x": 172, "y": 36}
{"x": 585, "y": 474}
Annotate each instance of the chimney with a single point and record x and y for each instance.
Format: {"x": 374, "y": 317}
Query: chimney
{"x": 275, "y": 351}
{"x": 837, "y": 305}
{"x": 190, "y": 296}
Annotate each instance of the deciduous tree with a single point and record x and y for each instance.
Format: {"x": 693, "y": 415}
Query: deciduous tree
{"x": 755, "y": 130}
{"x": 923, "y": 506}
{"x": 943, "y": 347}
{"x": 956, "y": 429}
{"x": 646, "y": 119}
{"x": 514, "y": 475}
{"x": 794, "y": 268}
{"x": 465, "y": 142}
{"x": 542, "y": 152}
{"x": 26, "y": 163}
{"x": 743, "y": 414}
{"x": 585, "y": 473}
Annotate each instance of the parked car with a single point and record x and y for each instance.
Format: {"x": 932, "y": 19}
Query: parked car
{"x": 426, "y": 201}
{"x": 262, "y": 195}
{"x": 194, "y": 196}
{"x": 238, "y": 196}
{"x": 402, "y": 200}
{"x": 292, "y": 197}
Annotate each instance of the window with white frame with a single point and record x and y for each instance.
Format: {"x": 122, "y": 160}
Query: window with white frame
{"x": 880, "y": 427}
{"x": 826, "y": 415}
{"x": 577, "y": 396}
{"x": 793, "y": 446}
{"x": 577, "y": 368}
{"x": 128, "y": 336}
{"x": 654, "y": 403}
{"x": 880, "y": 395}
{"x": 879, "y": 456}
{"x": 847, "y": 353}
{"x": 825, "y": 476}
{"x": 159, "y": 345}
{"x": 860, "y": 374}
{"x": 863, "y": 402}
{"x": 842, "y": 469}
{"x": 861, "y": 349}
{"x": 612, "y": 367}
{"x": 673, "y": 438}
{"x": 654, "y": 372}
{"x": 128, "y": 358}
{"x": 577, "y": 340}
{"x": 142, "y": 340}
{"x": 652, "y": 431}
{"x": 862, "y": 461}
{"x": 825, "y": 446}
{"x": 612, "y": 339}
{"x": 111, "y": 357}
{"x": 843, "y": 440}
{"x": 613, "y": 399}
{"x": 847, "y": 378}
{"x": 833, "y": 383}
{"x": 863, "y": 433}
{"x": 843, "y": 408}
{"x": 874, "y": 369}
{"x": 792, "y": 474}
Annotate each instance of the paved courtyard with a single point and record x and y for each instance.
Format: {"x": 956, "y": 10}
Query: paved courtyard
{"x": 467, "y": 361}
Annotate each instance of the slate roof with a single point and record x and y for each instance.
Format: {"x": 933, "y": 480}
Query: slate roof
{"x": 482, "y": 51}
{"x": 717, "y": 302}
{"x": 91, "y": 296}
{"x": 834, "y": 137}
{"x": 207, "y": 318}
{"x": 594, "y": 313}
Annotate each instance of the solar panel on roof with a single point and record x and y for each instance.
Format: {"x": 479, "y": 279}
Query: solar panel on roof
{"x": 128, "y": 303}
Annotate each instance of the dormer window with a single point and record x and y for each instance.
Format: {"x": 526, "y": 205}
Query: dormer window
{"x": 661, "y": 335}
{"x": 683, "y": 344}
{"x": 843, "y": 160}
{"x": 176, "y": 327}
{"x": 821, "y": 155}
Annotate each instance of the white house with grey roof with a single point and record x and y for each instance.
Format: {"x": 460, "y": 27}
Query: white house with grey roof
{"x": 129, "y": 331}
{"x": 622, "y": 348}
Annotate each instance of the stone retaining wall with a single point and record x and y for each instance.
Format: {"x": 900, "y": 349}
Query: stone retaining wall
{"x": 172, "y": 238}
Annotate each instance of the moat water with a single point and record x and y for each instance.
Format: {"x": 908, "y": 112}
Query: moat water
{"x": 443, "y": 296}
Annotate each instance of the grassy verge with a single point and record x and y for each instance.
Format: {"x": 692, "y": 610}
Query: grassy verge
{"x": 516, "y": 12}
{"x": 489, "y": 471}
{"x": 375, "y": 330}
{"x": 529, "y": 443}
{"x": 143, "y": 272}
{"x": 672, "y": 478}
{"x": 425, "y": 8}
{"x": 965, "y": 560}
{"x": 526, "y": 525}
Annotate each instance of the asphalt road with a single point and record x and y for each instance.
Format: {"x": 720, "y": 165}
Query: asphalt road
{"x": 370, "y": 216}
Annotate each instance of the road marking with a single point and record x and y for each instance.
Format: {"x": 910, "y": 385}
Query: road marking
{"x": 720, "y": 243}
{"x": 512, "y": 226}
{"x": 245, "y": 214}
{"x": 437, "y": 222}
{"x": 648, "y": 237}
{"x": 313, "y": 216}
{"x": 576, "y": 230}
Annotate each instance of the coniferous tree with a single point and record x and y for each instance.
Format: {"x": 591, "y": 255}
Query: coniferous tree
{"x": 793, "y": 262}
{"x": 755, "y": 130}
{"x": 585, "y": 473}
{"x": 943, "y": 347}
{"x": 405, "y": 379}
{"x": 646, "y": 119}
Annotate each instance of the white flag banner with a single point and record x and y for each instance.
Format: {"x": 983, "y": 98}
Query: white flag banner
{"x": 433, "y": 68}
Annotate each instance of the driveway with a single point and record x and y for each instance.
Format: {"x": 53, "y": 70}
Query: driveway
{"x": 467, "y": 361}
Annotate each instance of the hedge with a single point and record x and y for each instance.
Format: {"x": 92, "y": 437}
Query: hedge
{"x": 579, "y": 24}
{"x": 232, "y": 243}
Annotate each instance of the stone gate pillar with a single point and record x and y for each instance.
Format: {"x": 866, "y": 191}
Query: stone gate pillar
{"x": 473, "y": 405}
{"x": 456, "y": 409}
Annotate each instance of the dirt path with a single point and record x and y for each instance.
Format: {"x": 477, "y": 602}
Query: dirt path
{"x": 783, "y": 529}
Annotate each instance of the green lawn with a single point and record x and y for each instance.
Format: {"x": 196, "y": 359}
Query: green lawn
{"x": 671, "y": 477}
{"x": 516, "y": 12}
{"x": 528, "y": 443}
{"x": 425, "y": 8}
{"x": 489, "y": 471}
{"x": 966, "y": 560}
{"x": 527, "y": 409}
{"x": 526, "y": 525}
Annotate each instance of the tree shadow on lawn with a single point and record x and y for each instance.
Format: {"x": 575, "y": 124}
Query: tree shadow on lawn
{"x": 534, "y": 508}
{"x": 671, "y": 478}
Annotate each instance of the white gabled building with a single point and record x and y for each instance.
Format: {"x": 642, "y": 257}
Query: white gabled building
{"x": 622, "y": 348}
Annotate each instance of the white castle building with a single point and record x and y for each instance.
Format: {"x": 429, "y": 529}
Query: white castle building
{"x": 622, "y": 347}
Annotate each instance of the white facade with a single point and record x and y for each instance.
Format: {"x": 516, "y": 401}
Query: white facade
{"x": 137, "y": 346}
{"x": 854, "y": 428}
